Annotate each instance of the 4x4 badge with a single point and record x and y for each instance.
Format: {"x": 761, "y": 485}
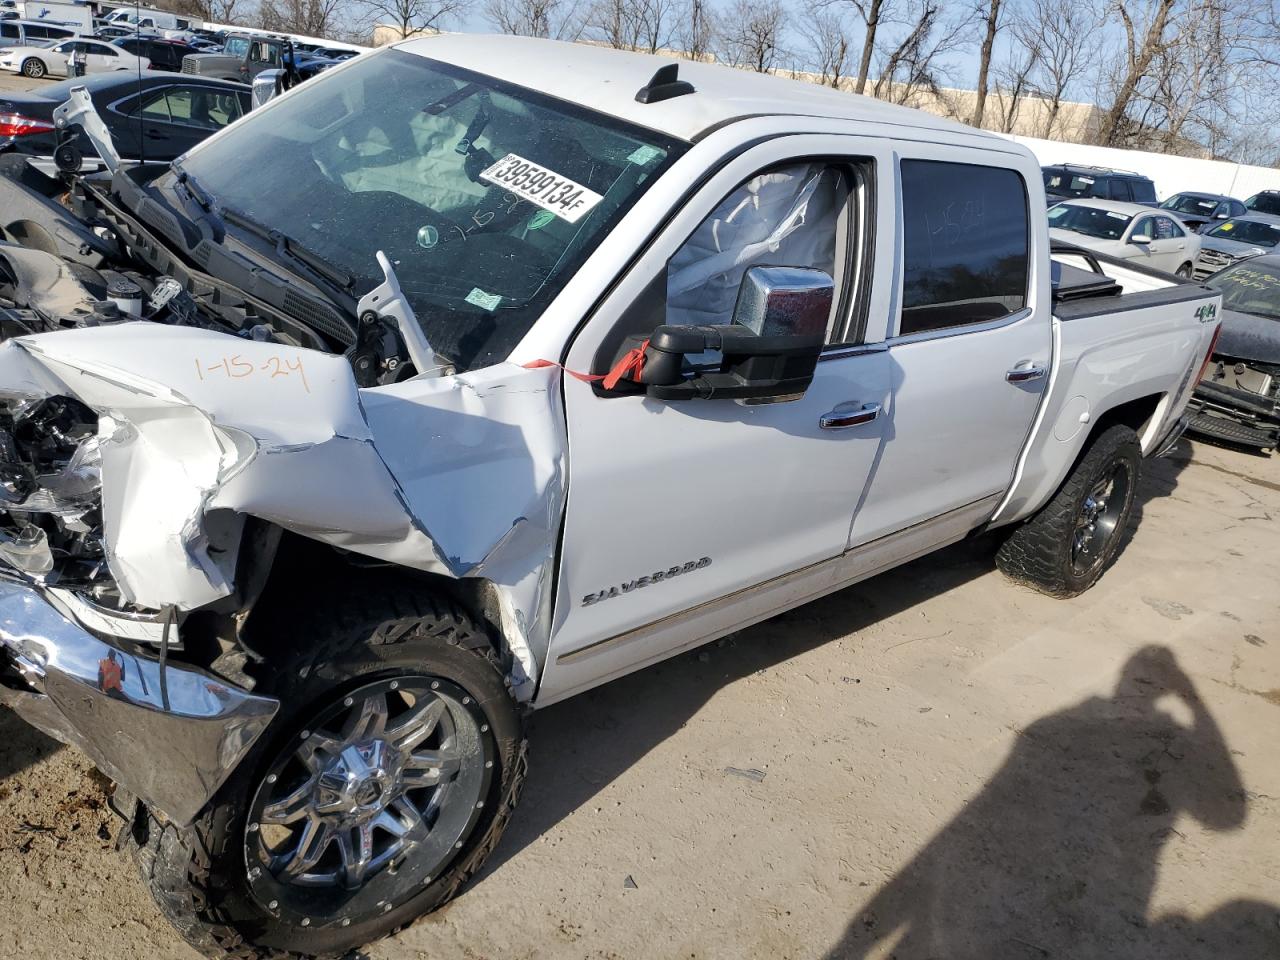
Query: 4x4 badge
{"x": 1206, "y": 312}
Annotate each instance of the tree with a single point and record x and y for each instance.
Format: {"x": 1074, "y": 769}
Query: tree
{"x": 911, "y": 65}
{"x": 1014, "y": 78}
{"x": 1065, "y": 37}
{"x": 311, "y": 18}
{"x": 828, "y": 41}
{"x": 414, "y": 16}
{"x": 1145, "y": 23}
{"x": 696, "y": 32}
{"x": 990, "y": 15}
{"x": 553, "y": 19}
{"x": 753, "y": 34}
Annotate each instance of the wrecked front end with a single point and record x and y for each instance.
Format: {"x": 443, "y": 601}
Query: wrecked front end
{"x": 1238, "y": 399}
{"x": 153, "y": 455}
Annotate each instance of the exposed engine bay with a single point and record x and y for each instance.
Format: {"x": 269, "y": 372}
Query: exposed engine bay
{"x": 155, "y": 419}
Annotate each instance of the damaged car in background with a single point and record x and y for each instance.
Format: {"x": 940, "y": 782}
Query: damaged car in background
{"x": 1238, "y": 400}
{"x": 479, "y": 371}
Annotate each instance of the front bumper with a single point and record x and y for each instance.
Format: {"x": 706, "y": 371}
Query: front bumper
{"x": 171, "y": 736}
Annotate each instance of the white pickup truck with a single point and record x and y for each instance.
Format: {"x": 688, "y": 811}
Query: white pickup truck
{"x": 480, "y": 371}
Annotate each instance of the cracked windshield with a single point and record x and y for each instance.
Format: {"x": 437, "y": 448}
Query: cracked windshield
{"x": 486, "y": 196}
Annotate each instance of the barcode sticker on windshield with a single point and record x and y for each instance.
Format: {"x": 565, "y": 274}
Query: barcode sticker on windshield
{"x": 545, "y": 188}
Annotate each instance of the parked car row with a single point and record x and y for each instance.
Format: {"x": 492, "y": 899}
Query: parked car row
{"x": 152, "y": 116}
{"x": 1234, "y": 245}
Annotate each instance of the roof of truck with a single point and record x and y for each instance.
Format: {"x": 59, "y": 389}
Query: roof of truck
{"x": 606, "y": 80}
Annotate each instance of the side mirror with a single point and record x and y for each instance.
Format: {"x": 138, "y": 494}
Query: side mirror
{"x": 769, "y": 351}
{"x": 1141, "y": 239}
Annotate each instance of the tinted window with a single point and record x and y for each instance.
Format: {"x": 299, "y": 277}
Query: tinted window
{"x": 1144, "y": 191}
{"x": 9, "y": 31}
{"x": 1268, "y": 202}
{"x": 1119, "y": 190}
{"x": 1092, "y": 222}
{"x": 965, "y": 244}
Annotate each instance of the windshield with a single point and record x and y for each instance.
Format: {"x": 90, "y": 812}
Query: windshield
{"x": 486, "y": 196}
{"x": 1065, "y": 184}
{"x": 1248, "y": 231}
{"x": 1251, "y": 287}
{"x": 1092, "y": 222}
{"x": 1186, "y": 203}
{"x": 1265, "y": 203}
{"x": 236, "y": 46}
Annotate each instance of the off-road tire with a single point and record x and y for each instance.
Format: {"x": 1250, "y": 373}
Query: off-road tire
{"x": 1038, "y": 553}
{"x": 197, "y": 875}
{"x": 33, "y": 68}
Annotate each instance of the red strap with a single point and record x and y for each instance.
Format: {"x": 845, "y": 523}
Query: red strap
{"x": 629, "y": 367}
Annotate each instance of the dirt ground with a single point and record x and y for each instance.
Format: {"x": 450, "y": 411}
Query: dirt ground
{"x": 933, "y": 764}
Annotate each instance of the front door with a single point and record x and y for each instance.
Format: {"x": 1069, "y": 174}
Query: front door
{"x": 675, "y": 506}
{"x": 970, "y": 347}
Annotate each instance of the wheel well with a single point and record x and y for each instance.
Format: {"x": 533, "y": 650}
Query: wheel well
{"x": 302, "y": 566}
{"x": 1135, "y": 414}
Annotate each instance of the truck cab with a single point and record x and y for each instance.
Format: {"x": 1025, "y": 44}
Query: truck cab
{"x": 571, "y": 360}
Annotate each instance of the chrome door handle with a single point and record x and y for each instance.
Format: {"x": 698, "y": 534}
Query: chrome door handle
{"x": 1032, "y": 371}
{"x": 840, "y": 419}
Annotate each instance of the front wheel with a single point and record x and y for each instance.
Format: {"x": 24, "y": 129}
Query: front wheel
{"x": 1064, "y": 549}
{"x": 33, "y": 68}
{"x": 1184, "y": 271}
{"x": 383, "y": 785}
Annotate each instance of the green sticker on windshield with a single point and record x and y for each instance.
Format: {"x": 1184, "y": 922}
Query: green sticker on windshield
{"x": 642, "y": 155}
{"x": 485, "y": 301}
{"x": 541, "y": 219}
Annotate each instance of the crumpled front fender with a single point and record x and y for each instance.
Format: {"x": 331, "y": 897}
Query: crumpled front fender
{"x": 460, "y": 476}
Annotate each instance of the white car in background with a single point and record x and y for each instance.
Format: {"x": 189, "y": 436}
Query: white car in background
{"x": 50, "y": 60}
{"x": 1129, "y": 231}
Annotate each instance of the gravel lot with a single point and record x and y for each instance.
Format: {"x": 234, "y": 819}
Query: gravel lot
{"x": 935, "y": 759}
{"x": 933, "y": 764}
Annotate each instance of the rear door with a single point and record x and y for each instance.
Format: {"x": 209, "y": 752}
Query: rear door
{"x": 970, "y": 343}
{"x": 680, "y": 511}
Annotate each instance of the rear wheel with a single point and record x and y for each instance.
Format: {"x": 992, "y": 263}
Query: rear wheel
{"x": 381, "y": 787}
{"x": 1064, "y": 549}
{"x": 33, "y": 68}
{"x": 1184, "y": 271}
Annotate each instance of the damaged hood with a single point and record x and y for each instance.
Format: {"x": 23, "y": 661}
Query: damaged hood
{"x": 1247, "y": 336}
{"x": 459, "y": 475}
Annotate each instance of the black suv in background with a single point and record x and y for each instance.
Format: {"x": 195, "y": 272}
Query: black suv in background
{"x": 163, "y": 54}
{"x": 1268, "y": 201}
{"x": 1071, "y": 181}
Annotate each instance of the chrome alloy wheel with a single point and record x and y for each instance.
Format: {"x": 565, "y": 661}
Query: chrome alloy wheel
{"x": 1098, "y": 522}
{"x": 367, "y": 805}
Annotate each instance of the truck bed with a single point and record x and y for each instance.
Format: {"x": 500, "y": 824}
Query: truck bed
{"x": 1122, "y": 334}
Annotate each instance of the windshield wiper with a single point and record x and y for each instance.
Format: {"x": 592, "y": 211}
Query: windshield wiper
{"x": 291, "y": 248}
{"x": 192, "y": 186}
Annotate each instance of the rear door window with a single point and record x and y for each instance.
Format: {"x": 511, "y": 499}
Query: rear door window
{"x": 965, "y": 244}
{"x": 1144, "y": 191}
{"x": 1119, "y": 189}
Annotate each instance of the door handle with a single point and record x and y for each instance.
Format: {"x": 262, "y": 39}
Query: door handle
{"x": 1026, "y": 373}
{"x": 841, "y": 419}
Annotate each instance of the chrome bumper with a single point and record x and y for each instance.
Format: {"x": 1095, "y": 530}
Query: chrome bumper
{"x": 171, "y": 737}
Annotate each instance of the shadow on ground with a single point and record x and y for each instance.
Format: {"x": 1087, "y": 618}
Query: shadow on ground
{"x": 1059, "y": 853}
{"x": 583, "y": 744}
{"x": 21, "y": 744}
